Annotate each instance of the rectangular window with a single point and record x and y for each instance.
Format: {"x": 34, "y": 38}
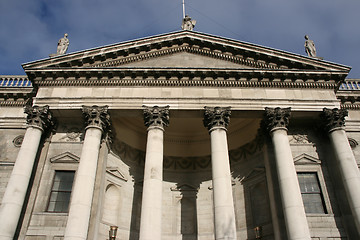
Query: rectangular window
{"x": 311, "y": 192}
{"x": 61, "y": 191}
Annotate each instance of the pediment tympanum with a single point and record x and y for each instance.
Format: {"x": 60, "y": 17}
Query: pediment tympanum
{"x": 306, "y": 159}
{"x": 66, "y": 157}
{"x": 114, "y": 171}
{"x": 181, "y": 60}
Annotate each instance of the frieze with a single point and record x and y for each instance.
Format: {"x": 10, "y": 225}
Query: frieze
{"x": 72, "y": 134}
{"x": 244, "y": 152}
{"x": 130, "y": 154}
{"x": 333, "y": 118}
{"x": 299, "y": 136}
{"x": 189, "y": 163}
{"x": 299, "y": 139}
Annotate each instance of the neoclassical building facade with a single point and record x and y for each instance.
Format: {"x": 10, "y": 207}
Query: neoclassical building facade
{"x": 180, "y": 136}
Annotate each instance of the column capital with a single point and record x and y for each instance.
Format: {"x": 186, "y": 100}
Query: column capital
{"x": 276, "y": 118}
{"x": 333, "y": 118}
{"x": 156, "y": 116}
{"x": 97, "y": 117}
{"x": 39, "y": 117}
{"x": 216, "y": 117}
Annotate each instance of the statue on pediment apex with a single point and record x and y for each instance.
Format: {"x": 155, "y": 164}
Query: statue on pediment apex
{"x": 188, "y": 23}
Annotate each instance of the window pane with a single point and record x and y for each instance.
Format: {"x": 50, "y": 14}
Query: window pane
{"x": 313, "y": 203}
{"x": 308, "y": 182}
{"x": 61, "y": 191}
{"x": 311, "y": 193}
{"x": 51, "y": 206}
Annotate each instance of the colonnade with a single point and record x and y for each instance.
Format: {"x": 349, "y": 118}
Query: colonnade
{"x": 156, "y": 119}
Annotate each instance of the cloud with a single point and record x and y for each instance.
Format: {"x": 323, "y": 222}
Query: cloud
{"x": 30, "y": 29}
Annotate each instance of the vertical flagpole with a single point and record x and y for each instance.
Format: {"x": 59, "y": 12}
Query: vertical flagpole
{"x": 183, "y": 3}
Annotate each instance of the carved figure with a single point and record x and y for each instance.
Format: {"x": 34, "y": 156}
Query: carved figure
{"x": 310, "y": 47}
{"x": 187, "y": 23}
{"x": 63, "y": 45}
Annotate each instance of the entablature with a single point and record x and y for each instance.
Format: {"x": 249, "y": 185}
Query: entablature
{"x": 187, "y": 77}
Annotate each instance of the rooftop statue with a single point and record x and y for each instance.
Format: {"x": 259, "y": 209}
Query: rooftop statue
{"x": 310, "y": 47}
{"x": 187, "y": 23}
{"x": 63, "y": 45}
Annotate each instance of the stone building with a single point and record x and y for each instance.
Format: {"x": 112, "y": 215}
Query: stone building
{"x": 184, "y": 136}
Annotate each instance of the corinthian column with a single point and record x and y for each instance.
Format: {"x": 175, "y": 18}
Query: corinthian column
{"x": 216, "y": 121}
{"x": 155, "y": 119}
{"x": 276, "y": 121}
{"x": 38, "y": 119}
{"x": 97, "y": 120}
{"x": 334, "y": 124}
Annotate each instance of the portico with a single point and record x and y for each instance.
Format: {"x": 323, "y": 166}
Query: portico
{"x": 188, "y": 136}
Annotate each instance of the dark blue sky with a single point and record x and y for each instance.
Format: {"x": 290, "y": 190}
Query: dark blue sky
{"x": 30, "y": 29}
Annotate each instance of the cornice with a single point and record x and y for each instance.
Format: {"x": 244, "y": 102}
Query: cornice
{"x": 350, "y": 99}
{"x": 11, "y": 98}
{"x": 187, "y": 77}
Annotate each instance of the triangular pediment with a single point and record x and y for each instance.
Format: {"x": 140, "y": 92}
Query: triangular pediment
{"x": 254, "y": 173}
{"x": 114, "y": 171}
{"x": 305, "y": 159}
{"x": 66, "y": 157}
{"x": 184, "y": 49}
{"x": 184, "y": 187}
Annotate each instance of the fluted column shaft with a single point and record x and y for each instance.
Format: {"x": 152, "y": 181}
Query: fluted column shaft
{"x": 294, "y": 212}
{"x": 349, "y": 171}
{"x": 155, "y": 118}
{"x": 216, "y": 120}
{"x": 80, "y": 206}
{"x": 38, "y": 119}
